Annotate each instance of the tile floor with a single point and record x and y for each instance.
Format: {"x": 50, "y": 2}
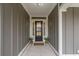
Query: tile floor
{"x": 38, "y": 50}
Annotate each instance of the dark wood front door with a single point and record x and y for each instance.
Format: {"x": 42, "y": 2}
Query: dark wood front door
{"x": 38, "y": 30}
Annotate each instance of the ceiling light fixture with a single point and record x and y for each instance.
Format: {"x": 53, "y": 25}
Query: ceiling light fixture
{"x": 38, "y": 4}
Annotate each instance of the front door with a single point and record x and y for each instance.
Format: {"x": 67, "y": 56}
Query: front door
{"x": 38, "y": 30}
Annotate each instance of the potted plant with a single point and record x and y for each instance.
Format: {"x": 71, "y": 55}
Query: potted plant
{"x": 30, "y": 39}
{"x": 46, "y": 39}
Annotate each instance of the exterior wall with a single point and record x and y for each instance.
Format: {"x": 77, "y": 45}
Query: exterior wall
{"x": 46, "y": 27}
{"x": 15, "y": 31}
{"x": 70, "y": 31}
{"x": 0, "y": 29}
{"x": 53, "y": 28}
{"x": 68, "y": 20}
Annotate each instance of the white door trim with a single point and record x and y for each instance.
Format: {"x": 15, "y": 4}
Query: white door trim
{"x": 42, "y": 28}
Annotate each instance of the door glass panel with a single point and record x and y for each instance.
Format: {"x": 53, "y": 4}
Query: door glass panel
{"x": 38, "y": 24}
{"x": 38, "y": 31}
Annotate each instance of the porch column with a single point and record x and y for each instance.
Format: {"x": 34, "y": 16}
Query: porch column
{"x": 60, "y": 29}
{"x": 60, "y": 32}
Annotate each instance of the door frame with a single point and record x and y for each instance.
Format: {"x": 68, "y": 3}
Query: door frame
{"x": 32, "y": 28}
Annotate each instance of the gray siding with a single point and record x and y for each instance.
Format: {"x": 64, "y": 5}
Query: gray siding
{"x": 53, "y": 28}
{"x": 1, "y": 30}
{"x": 76, "y": 30}
{"x": 15, "y": 33}
{"x": 7, "y": 30}
{"x": 64, "y": 32}
{"x": 70, "y": 31}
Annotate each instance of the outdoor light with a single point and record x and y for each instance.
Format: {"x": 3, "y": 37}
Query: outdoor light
{"x": 38, "y": 4}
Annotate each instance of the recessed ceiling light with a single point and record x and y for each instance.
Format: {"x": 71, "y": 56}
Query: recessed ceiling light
{"x": 38, "y": 4}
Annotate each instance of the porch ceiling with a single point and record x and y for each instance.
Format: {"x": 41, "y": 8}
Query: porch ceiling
{"x": 38, "y": 9}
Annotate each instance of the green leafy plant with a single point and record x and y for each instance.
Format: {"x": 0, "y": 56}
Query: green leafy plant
{"x": 31, "y": 39}
{"x": 46, "y": 39}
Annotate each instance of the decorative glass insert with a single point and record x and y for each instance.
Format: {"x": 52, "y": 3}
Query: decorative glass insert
{"x": 38, "y": 28}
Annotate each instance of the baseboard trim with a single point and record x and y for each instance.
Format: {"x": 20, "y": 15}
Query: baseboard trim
{"x": 20, "y": 54}
{"x": 54, "y": 49}
{"x": 70, "y": 54}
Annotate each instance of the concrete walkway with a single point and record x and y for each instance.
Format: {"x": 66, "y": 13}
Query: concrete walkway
{"x": 38, "y": 50}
